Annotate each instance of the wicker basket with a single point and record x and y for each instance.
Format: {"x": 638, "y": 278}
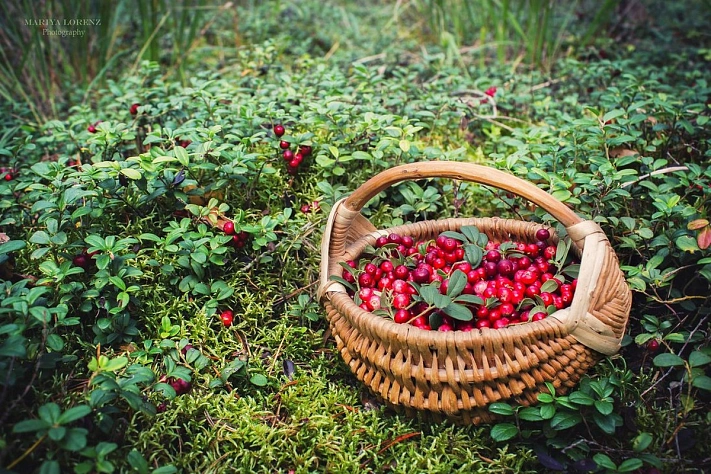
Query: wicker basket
{"x": 456, "y": 375}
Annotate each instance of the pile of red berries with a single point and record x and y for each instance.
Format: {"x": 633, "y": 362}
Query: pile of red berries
{"x": 461, "y": 281}
{"x": 239, "y": 239}
{"x": 293, "y": 159}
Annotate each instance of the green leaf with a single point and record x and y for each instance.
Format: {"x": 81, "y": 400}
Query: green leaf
{"x": 165, "y": 470}
{"x": 131, "y": 173}
{"x": 259, "y": 380}
{"x": 40, "y": 237}
{"x": 603, "y": 407}
{"x": 501, "y": 408}
{"x": 182, "y": 155}
{"x": 75, "y": 439}
{"x": 26, "y": 426}
{"x": 458, "y": 311}
{"x": 503, "y": 431}
{"x": 56, "y": 433}
{"x": 454, "y": 235}
{"x": 115, "y": 364}
{"x": 471, "y": 299}
{"x": 687, "y": 244}
{"x": 604, "y": 461}
{"x": 137, "y": 461}
{"x": 549, "y": 286}
{"x": 50, "y": 466}
{"x": 73, "y": 414}
{"x": 473, "y": 254}
{"x": 702, "y": 381}
{"x": 629, "y": 465}
{"x": 49, "y": 412}
{"x": 530, "y": 414}
{"x": 457, "y": 282}
{"x": 668, "y": 360}
{"x": 471, "y": 232}
{"x": 581, "y": 398}
{"x": 14, "y": 346}
{"x": 565, "y": 420}
{"x": 698, "y": 358}
{"x": 613, "y": 114}
{"x": 642, "y": 441}
{"x": 11, "y": 246}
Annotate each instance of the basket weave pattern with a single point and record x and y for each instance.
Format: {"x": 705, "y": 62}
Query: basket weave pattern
{"x": 456, "y": 375}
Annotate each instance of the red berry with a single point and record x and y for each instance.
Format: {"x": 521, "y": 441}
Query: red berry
{"x": 81, "y": 260}
{"x": 493, "y": 256}
{"x": 549, "y": 252}
{"x": 279, "y": 130}
{"x": 408, "y": 241}
{"x": 538, "y": 316}
{"x": 288, "y": 155}
{"x": 305, "y": 208}
{"x": 402, "y": 316}
{"x": 91, "y": 129}
{"x": 284, "y": 145}
{"x": 365, "y": 280}
{"x": 305, "y": 150}
{"x": 543, "y": 234}
{"x": 293, "y": 164}
{"x": 491, "y": 91}
{"x": 226, "y": 317}
{"x": 134, "y": 109}
{"x": 387, "y": 266}
{"x": 401, "y": 301}
{"x": 298, "y": 158}
{"x": 229, "y": 228}
{"x": 8, "y": 177}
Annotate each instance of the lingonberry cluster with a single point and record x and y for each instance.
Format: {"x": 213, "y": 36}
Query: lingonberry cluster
{"x": 461, "y": 280}
{"x": 293, "y": 159}
{"x": 239, "y": 239}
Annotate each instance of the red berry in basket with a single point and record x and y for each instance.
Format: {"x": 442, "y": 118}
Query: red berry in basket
{"x": 385, "y": 283}
{"x": 228, "y": 228}
{"x": 401, "y": 301}
{"x": 284, "y": 145}
{"x": 366, "y": 280}
{"x": 483, "y": 323}
{"x": 408, "y": 241}
{"x": 505, "y": 267}
{"x": 402, "y": 316}
{"x": 401, "y": 286}
{"x": 279, "y": 130}
{"x": 421, "y": 275}
{"x": 374, "y": 302}
{"x": 543, "y": 234}
{"x": 493, "y": 256}
{"x": 444, "y": 327}
{"x": 547, "y": 298}
{"x": 226, "y": 318}
{"x": 549, "y": 252}
{"x": 538, "y": 316}
{"x": 421, "y": 322}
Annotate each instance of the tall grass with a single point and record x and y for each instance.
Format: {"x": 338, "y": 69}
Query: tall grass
{"x": 532, "y": 31}
{"x": 43, "y": 71}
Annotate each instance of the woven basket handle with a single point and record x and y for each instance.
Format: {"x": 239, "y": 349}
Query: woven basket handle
{"x": 465, "y": 172}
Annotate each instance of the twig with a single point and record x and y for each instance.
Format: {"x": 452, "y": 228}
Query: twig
{"x": 671, "y": 169}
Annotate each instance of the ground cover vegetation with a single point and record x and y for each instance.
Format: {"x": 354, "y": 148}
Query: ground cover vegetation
{"x": 162, "y": 205}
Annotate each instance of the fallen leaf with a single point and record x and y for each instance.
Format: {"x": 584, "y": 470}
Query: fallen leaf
{"x": 704, "y": 238}
{"x": 697, "y": 224}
